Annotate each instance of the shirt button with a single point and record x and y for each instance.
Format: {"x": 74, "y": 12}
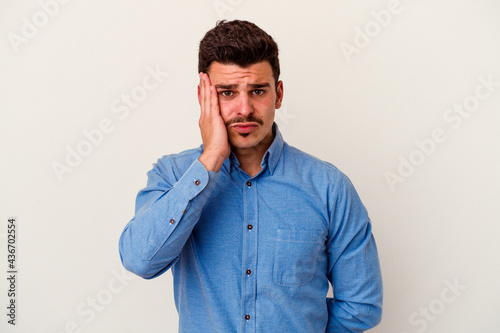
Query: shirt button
{"x": 249, "y": 183}
{"x": 197, "y": 182}
{"x": 247, "y": 317}
{"x": 249, "y": 227}
{"x": 249, "y": 272}
{"x": 172, "y": 221}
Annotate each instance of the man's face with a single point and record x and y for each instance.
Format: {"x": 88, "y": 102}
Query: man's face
{"x": 247, "y": 98}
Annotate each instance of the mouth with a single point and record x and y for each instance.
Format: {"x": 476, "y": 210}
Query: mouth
{"x": 244, "y": 128}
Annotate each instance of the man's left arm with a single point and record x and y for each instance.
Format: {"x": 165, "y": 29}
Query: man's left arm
{"x": 353, "y": 268}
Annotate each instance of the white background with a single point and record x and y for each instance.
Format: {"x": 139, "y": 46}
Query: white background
{"x": 362, "y": 112}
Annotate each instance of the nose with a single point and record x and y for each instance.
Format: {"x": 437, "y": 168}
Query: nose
{"x": 245, "y": 106}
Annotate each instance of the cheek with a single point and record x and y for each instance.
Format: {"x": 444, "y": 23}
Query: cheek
{"x": 225, "y": 111}
{"x": 268, "y": 102}
{"x": 270, "y": 115}
{"x": 267, "y": 108}
{"x": 264, "y": 104}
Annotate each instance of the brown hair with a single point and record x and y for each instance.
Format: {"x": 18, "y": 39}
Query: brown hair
{"x": 238, "y": 42}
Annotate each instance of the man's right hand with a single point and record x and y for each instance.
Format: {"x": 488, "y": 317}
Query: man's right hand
{"x": 216, "y": 146}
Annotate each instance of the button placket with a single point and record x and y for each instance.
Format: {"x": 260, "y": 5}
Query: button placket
{"x": 249, "y": 283}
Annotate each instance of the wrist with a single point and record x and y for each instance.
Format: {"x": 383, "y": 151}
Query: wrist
{"x": 212, "y": 162}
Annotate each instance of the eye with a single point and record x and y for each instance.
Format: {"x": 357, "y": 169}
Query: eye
{"x": 226, "y": 93}
{"x": 258, "y": 92}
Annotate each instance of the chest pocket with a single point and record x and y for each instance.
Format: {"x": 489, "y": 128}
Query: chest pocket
{"x": 296, "y": 256}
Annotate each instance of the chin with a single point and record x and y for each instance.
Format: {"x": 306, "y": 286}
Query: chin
{"x": 247, "y": 140}
{"x": 243, "y": 142}
{"x": 242, "y": 145}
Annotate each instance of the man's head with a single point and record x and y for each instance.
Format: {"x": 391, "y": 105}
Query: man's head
{"x": 241, "y": 61}
{"x": 238, "y": 42}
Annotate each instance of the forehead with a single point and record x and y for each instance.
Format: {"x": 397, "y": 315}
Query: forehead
{"x": 260, "y": 72}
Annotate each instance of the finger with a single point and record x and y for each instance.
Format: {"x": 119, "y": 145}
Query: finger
{"x": 211, "y": 94}
{"x": 214, "y": 102}
{"x": 202, "y": 92}
{"x": 208, "y": 95}
{"x": 205, "y": 97}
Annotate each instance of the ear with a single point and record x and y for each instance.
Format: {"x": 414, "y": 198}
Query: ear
{"x": 279, "y": 95}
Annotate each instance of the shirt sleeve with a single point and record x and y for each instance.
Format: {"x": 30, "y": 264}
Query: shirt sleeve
{"x": 354, "y": 268}
{"x": 167, "y": 210}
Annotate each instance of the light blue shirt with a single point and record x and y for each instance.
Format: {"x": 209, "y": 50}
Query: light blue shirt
{"x": 255, "y": 254}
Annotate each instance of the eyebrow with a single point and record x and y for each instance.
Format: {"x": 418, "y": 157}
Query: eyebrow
{"x": 234, "y": 86}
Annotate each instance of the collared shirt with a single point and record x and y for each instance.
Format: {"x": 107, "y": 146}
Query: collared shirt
{"x": 255, "y": 254}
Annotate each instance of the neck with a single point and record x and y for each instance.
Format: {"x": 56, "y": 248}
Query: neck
{"x": 251, "y": 158}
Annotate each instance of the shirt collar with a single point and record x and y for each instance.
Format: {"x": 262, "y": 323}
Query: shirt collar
{"x": 271, "y": 157}
{"x": 273, "y": 153}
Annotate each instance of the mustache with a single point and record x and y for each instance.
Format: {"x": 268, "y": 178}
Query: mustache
{"x": 249, "y": 119}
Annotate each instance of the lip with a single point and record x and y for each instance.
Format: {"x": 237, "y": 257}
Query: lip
{"x": 244, "y": 127}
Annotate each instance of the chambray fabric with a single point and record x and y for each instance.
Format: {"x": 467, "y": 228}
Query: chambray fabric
{"x": 308, "y": 227}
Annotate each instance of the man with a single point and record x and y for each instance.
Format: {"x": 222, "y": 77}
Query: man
{"x": 252, "y": 228}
